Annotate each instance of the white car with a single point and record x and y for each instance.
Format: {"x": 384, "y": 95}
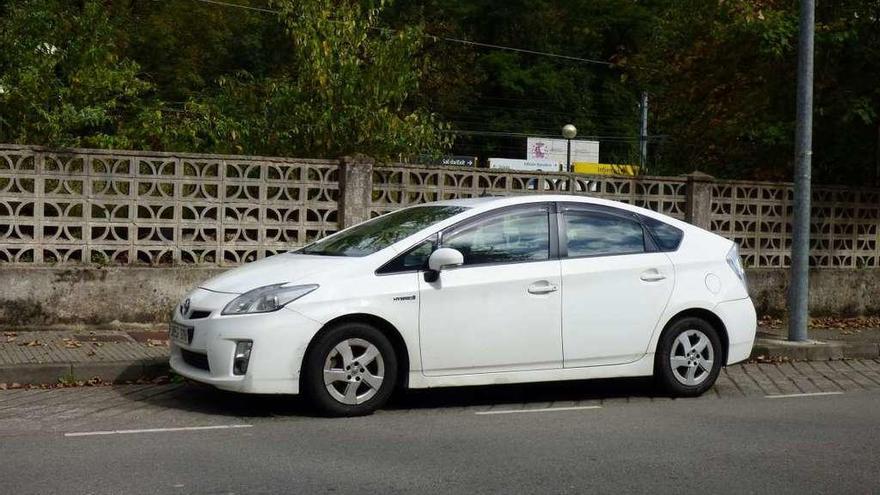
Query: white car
{"x": 473, "y": 292}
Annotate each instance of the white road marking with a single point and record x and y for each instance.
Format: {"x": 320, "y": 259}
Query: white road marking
{"x": 812, "y": 394}
{"x": 546, "y": 409}
{"x": 153, "y": 430}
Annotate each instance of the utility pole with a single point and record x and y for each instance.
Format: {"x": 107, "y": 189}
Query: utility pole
{"x": 643, "y": 134}
{"x": 799, "y": 289}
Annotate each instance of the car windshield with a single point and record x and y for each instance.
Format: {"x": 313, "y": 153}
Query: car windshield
{"x": 381, "y": 232}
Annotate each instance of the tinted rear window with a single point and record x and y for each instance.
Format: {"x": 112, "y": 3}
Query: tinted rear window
{"x": 592, "y": 233}
{"x": 666, "y": 236}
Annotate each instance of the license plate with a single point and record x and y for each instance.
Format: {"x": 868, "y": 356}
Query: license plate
{"x": 179, "y": 333}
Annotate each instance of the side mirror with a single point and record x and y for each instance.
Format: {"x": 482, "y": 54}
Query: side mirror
{"x": 442, "y": 259}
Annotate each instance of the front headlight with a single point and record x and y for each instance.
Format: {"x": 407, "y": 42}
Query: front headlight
{"x": 266, "y": 299}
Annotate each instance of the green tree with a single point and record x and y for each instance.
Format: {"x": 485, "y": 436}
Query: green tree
{"x": 355, "y": 80}
{"x": 493, "y": 91}
{"x": 64, "y": 79}
{"x": 348, "y": 86}
{"x": 324, "y": 80}
{"x": 723, "y": 77}
{"x": 311, "y": 81}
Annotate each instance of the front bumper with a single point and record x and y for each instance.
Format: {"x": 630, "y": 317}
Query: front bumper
{"x": 279, "y": 341}
{"x": 741, "y": 322}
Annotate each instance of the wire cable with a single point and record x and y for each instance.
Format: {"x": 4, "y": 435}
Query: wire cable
{"x": 440, "y": 38}
{"x": 524, "y": 134}
{"x": 240, "y": 6}
{"x": 522, "y": 50}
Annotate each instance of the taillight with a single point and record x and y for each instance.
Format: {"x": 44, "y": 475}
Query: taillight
{"x": 735, "y": 262}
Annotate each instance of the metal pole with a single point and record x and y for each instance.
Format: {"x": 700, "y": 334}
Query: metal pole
{"x": 643, "y": 134}
{"x": 799, "y": 290}
{"x": 568, "y": 157}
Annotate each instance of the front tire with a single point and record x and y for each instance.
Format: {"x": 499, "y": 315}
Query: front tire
{"x": 350, "y": 370}
{"x": 689, "y": 357}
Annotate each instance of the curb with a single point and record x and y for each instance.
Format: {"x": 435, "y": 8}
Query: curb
{"x": 813, "y": 350}
{"x": 113, "y": 371}
{"x": 147, "y": 369}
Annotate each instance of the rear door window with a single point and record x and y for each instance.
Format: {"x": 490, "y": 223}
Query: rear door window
{"x": 665, "y": 236}
{"x": 593, "y": 233}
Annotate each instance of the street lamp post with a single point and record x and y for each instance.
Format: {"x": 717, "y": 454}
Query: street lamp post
{"x": 569, "y": 131}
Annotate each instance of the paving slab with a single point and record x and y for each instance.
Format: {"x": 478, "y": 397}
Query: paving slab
{"x": 47, "y": 356}
{"x": 34, "y": 357}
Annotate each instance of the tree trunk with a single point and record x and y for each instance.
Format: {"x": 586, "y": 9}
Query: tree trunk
{"x": 877, "y": 159}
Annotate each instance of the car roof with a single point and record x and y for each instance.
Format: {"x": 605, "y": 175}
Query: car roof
{"x": 485, "y": 203}
{"x": 496, "y": 201}
{"x": 492, "y": 202}
{"x": 478, "y": 205}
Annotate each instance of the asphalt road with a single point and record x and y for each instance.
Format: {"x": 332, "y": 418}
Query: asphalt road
{"x": 606, "y": 436}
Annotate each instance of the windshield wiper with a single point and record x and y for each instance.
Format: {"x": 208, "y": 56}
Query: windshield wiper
{"x": 321, "y": 253}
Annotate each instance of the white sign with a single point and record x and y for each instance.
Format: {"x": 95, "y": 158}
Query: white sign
{"x": 525, "y": 165}
{"x": 555, "y": 150}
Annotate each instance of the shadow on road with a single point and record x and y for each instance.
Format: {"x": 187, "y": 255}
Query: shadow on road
{"x": 529, "y": 393}
{"x": 202, "y": 399}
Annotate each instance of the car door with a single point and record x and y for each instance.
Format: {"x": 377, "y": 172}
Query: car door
{"x": 500, "y": 310}
{"x": 615, "y": 282}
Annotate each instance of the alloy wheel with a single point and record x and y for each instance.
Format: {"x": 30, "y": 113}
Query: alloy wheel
{"x": 691, "y": 357}
{"x": 354, "y": 371}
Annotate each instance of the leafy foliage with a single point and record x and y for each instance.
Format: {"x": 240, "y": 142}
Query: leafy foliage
{"x": 723, "y": 77}
{"x": 490, "y": 91}
{"x": 63, "y": 79}
{"x": 341, "y": 88}
{"x": 376, "y": 77}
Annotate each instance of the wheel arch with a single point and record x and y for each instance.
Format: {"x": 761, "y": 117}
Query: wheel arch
{"x": 389, "y": 330}
{"x": 704, "y": 314}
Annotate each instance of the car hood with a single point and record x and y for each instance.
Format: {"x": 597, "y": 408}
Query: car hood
{"x": 281, "y": 268}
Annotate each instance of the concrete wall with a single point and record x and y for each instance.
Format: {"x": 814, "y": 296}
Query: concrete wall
{"x": 99, "y": 295}
{"x": 833, "y": 291}
{"x": 41, "y": 296}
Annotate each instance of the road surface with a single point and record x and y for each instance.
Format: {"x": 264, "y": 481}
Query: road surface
{"x": 764, "y": 428}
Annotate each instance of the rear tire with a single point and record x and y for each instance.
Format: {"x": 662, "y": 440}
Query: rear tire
{"x": 689, "y": 357}
{"x": 350, "y": 370}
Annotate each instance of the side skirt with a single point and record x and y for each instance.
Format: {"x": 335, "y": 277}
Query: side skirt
{"x": 642, "y": 367}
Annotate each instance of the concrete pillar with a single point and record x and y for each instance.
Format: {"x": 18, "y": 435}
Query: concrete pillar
{"x": 355, "y": 189}
{"x": 699, "y": 199}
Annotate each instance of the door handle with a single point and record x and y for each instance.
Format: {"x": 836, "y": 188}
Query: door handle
{"x": 542, "y": 287}
{"x": 652, "y": 275}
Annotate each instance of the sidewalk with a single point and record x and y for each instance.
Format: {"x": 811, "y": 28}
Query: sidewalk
{"x": 830, "y": 339}
{"x": 67, "y": 356}
{"x": 122, "y": 353}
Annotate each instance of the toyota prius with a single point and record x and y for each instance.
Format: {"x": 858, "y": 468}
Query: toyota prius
{"x": 473, "y": 292}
